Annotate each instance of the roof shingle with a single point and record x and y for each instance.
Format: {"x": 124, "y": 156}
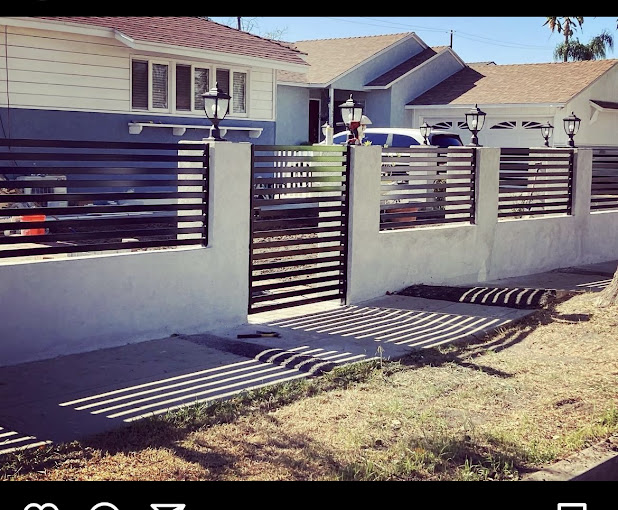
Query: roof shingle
{"x": 515, "y": 84}
{"x": 330, "y": 58}
{"x": 191, "y": 32}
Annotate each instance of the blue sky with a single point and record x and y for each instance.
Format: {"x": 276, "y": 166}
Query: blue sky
{"x": 503, "y": 40}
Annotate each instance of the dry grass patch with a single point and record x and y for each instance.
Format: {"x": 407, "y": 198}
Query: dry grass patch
{"x": 492, "y": 409}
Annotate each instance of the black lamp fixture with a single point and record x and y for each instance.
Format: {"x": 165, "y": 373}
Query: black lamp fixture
{"x": 216, "y": 107}
{"x": 546, "y": 131}
{"x": 571, "y": 127}
{"x": 425, "y": 130}
{"x": 475, "y": 119}
{"x": 351, "y": 114}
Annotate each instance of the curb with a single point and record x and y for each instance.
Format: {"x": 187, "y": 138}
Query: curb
{"x": 598, "y": 462}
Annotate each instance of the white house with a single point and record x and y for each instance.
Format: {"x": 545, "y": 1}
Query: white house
{"x": 135, "y": 78}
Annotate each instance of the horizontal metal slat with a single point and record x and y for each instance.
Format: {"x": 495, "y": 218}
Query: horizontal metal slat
{"x": 51, "y": 250}
{"x": 294, "y": 293}
{"x": 419, "y": 223}
{"x": 296, "y": 263}
{"x": 99, "y": 170}
{"x": 296, "y": 283}
{"x": 298, "y": 231}
{"x": 266, "y": 308}
{"x": 45, "y": 197}
{"x": 298, "y": 272}
{"x": 86, "y": 144}
{"x": 96, "y": 209}
{"x": 89, "y": 156}
{"x": 295, "y": 253}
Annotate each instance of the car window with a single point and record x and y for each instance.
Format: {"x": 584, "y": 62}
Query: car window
{"x": 340, "y": 138}
{"x": 403, "y": 141}
{"x": 445, "y": 140}
{"x": 376, "y": 138}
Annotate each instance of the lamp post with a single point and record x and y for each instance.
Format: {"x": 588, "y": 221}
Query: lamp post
{"x": 475, "y": 119}
{"x": 425, "y": 130}
{"x": 351, "y": 114}
{"x": 571, "y": 127}
{"x": 546, "y": 131}
{"x": 216, "y": 107}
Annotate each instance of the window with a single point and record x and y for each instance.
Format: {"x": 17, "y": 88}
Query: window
{"x": 139, "y": 85}
{"x": 159, "y": 86}
{"x": 403, "y": 141}
{"x": 183, "y": 87}
{"x": 178, "y": 87}
{"x": 376, "y": 138}
{"x": 238, "y": 95}
{"x": 201, "y": 86}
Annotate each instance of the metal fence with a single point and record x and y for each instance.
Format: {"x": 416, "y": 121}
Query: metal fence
{"x": 66, "y": 197}
{"x": 427, "y": 186}
{"x": 299, "y": 225}
{"x": 535, "y": 182}
{"x": 604, "y": 192}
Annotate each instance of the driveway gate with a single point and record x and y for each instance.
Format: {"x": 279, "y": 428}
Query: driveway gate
{"x": 299, "y": 204}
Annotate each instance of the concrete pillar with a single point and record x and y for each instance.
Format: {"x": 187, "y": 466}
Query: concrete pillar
{"x": 582, "y": 183}
{"x": 364, "y": 218}
{"x": 486, "y": 205}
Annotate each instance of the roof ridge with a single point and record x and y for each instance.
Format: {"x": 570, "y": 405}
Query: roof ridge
{"x": 596, "y": 61}
{"x": 354, "y": 37}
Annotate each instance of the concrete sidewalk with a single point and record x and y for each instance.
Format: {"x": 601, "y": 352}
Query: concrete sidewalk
{"x": 75, "y": 396}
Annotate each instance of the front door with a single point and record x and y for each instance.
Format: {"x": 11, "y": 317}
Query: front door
{"x": 314, "y": 121}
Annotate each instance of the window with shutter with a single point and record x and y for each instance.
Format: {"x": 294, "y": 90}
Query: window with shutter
{"x": 223, "y": 80}
{"x": 239, "y": 103}
{"x": 183, "y": 87}
{"x": 201, "y": 86}
{"x": 139, "y": 85}
{"x": 159, "y": 85}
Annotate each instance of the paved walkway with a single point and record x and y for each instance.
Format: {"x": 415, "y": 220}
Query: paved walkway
{"x": 72, "y": 397}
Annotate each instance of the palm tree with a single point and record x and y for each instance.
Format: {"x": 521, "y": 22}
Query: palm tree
{"x": 594, "y": 50}
{"x": 564, "y": 25}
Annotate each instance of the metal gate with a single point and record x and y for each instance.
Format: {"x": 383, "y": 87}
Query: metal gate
{"x": 299, "y": 224}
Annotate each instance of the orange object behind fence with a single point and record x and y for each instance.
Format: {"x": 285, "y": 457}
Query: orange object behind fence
{"x": 33, "y": 231}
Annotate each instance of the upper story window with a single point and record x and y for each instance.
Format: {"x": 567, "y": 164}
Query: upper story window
{"x": 178, "y": 87}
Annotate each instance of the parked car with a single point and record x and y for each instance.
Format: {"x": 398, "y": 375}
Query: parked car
{"x": 403, "y": 137}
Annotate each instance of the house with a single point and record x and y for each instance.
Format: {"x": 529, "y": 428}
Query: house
{"x": 403, "y": 82}
{"x": 136, "y": 78}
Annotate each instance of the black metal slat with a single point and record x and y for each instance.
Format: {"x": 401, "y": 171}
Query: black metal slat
{"x": 299, "y": 292}
{"x": 296, "y": 263}
{"x": 279, "y": 274}
{"x": 52, "y": 250}
{"x": 98, "y": 170}
{"x": 95, "y": 228}
{"x": 417, "y": 223}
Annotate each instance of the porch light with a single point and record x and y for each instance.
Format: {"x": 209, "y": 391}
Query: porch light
{"x": 425, "y": 130}
{"x": 571, "y": 127}
{"x": 475, "y": 119}
{"x": 216, "y": 107}
{"x": 351, "y": 114}
{"x": 546, "y": 131}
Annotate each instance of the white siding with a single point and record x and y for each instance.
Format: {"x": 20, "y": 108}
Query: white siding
{"x": 64, "y": 71}
{"x": 261, "y": 98}
{"x": 48, "y": 69}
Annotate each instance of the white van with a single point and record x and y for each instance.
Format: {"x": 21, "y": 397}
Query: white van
{"x": 402, "y": 137}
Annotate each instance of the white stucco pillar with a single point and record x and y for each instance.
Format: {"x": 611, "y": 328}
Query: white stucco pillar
{"x": 364, "y": 218}
{"x": 582, "y": 182}
{"x": 486, "y": 205}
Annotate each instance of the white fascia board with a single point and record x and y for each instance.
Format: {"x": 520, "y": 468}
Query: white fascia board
{"x": 195, "y": 53}
{"x": 228, "y": 58}
{"x": 59, "y": 26}
{"x": 382, "y": 87}
{"x": 303, "y": 85}
{"x": 484, "y": 106}
{"x": 376, "y": 55}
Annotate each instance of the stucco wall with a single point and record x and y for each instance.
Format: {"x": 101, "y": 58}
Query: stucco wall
{"x": 76, "y": 304}
{"x": 292, "y": 115}
{"x": 457, "y": 254}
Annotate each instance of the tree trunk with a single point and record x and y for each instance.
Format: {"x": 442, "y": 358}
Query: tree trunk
{"x": 609, "y": 295}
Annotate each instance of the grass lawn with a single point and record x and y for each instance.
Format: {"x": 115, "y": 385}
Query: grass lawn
{"x": 495, "y": 409}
